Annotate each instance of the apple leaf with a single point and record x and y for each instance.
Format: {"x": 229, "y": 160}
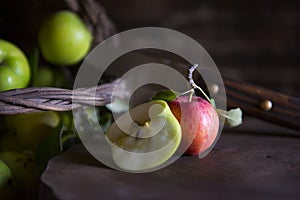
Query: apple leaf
{"x": 232, "y": 117}
{"x": 166, "y": 95}
{"x": 213, "y": 103}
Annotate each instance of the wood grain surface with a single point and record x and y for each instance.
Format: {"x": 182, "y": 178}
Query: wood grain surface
{"x": 241, "y": 166}
{"x": 285, "y": 109}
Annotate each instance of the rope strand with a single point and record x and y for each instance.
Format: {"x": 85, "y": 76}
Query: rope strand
{"x": 37, "y": 99}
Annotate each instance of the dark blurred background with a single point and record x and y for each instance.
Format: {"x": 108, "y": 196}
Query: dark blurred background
{"x": 256, "y": 41}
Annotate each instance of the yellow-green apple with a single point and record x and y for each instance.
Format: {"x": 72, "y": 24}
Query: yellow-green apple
{"x": 64, "y": 39}
{"x": 31, "y": 128}
{"x": 7, "y": 184}
{"x": 199, "y": 122}
{"x": 25, "y": 172}
{"x": 14, "y": 67}
{"x": 5, "y": 174}
{"x": 146, "y": 142}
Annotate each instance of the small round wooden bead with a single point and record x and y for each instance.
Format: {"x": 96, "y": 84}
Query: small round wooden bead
{"x": 214, "y": 88}
{"x": 266, "y": 105}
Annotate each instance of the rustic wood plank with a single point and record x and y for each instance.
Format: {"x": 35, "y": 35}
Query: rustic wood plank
{"x": 241, "y": 166}
{"x": 284, "y": 110}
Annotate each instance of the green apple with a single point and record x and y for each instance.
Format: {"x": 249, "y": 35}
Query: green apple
{"x": 64, "y": 39}
{"x": 146, "y": 142}
{"x": 32, "y": 128}
{"x": 7, "y": 184}
{"x": 45, "y": 77}
{"x": 24, "y": 171}
{"x": 5, "y": 174}
{"x": 14, "y": 67}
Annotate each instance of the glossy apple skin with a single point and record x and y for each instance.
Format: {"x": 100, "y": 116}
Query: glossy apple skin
{"x": 14, "y": 67}
{"x": 64, "y": 39}
{"x": 199, "y": 123}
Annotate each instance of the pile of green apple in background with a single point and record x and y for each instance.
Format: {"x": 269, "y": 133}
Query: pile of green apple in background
{"x": 28, "y": 141}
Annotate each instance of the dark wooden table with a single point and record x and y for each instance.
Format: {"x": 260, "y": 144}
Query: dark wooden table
{"x": 243, "y": 165}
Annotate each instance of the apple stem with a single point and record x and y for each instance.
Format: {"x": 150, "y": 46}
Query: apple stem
{"x": 191, "y": 95}
{"x": 190, "y": 92}
{"x": 233, "y": 117}
{"x": 192, "y": 82}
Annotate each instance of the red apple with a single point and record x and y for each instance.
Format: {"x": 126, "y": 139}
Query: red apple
{"x": 199, "y": 122}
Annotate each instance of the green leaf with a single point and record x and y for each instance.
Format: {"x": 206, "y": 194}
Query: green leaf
{"x": 232, "y": 117}
{"x": 213, "y": 103}
{"x": 166, "y": 95}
